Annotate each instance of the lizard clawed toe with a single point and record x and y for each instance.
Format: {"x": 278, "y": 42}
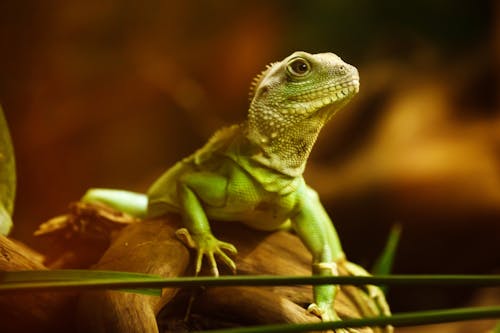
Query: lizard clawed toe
{"x": 326, "y": 316}
{"x": 208, "y": 246}
{"x": 374, "y": 292}
{"x": 185, "y": 237}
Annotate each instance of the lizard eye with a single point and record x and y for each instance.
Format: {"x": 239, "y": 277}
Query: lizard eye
{"x": 299, "y": 67}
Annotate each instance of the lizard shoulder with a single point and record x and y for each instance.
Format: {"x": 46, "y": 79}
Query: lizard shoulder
{"x": 219, "y": 142}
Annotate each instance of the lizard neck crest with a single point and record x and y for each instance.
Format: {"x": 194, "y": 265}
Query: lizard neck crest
{"x": 256, "y": 81}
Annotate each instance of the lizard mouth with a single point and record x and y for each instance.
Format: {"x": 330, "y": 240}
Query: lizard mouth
{"x": 329, "y": 99}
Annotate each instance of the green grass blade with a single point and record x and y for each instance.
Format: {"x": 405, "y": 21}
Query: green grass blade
{"x": 27, "y": 281}
{"x": 84, "y": 279}
{"x": 397, "y": 320}
{"x": 71, "y": 274}
{"x": 7, "y": 176}
{"x": 37, "y": 279}
{"x": 5, "y": 220}
{"x": 385, "y": 261}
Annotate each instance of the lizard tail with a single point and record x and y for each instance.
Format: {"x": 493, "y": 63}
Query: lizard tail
{"x": 7, "y": 177}
{"x": 133, "y": 203}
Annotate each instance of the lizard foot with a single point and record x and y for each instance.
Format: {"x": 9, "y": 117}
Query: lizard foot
{"x": 326, "y": 313}
{"x": 209, "y": 246}
{"x": 372, "y": 291}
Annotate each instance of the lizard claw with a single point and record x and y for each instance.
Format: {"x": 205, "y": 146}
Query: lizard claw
{"x": 328, "y": 314}
{"x": 185, "y": 237}
{"x": 208, "y": 246}
{"x": 314, "y": 309}
{"x": 372, "y": 291}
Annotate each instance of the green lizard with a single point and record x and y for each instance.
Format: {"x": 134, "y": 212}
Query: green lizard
{"x": 252, "y": 172}
{"x": 7, "y": 177}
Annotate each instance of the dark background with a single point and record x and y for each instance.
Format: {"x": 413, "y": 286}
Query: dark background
{"x": 111, "y": 93}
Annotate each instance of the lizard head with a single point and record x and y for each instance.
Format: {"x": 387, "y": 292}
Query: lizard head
{"x": 303, "y": 84}
{"x": 291, "y": 100}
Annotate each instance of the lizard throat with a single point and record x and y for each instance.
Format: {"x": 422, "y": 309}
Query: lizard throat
{"x": 284, "y": 145}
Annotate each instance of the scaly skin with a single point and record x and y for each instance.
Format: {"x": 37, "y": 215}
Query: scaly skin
{"x": 7, "y": 177}
{"x": 252, "y": 172}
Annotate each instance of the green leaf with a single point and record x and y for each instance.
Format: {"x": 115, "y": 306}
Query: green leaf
{"x": 28, "y": 281}
{"x": 398, "y": 320}
{"x": 5, "y": 220}
{"x": 385, "y": 261}
{"x": 77, "y": 278}
{"x": 86, "y": 279}
{"x": 7, "y": 176}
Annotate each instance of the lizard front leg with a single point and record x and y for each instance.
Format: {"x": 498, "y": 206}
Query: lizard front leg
{"x": 316, "y": 230}
{"x": 192, "y": 190}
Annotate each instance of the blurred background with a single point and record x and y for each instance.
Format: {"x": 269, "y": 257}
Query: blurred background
{"x": 111, "y": 93}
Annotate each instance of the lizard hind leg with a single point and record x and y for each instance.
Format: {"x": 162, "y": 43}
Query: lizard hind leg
{"x": 135, "y": 204}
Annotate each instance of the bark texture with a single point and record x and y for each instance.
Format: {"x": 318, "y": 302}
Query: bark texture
{"x": 152, "y": 247}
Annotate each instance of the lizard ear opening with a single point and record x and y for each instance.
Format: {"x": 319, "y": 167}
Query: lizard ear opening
{"x": 256, "y": 81}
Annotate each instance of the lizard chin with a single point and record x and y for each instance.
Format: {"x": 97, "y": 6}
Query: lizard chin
{"x": 325, "y": 107}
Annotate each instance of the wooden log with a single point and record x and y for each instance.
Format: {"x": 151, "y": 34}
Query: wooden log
{"x": 146, "y": 247}
{"x": 151, "y": 247}
{"x": 35, "y": 312}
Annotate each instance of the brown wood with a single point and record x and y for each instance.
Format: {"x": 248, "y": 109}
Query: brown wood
{"x": 35, "y": 312}
{"x": 147, "y": 247}
{"x": 152, "y": 247}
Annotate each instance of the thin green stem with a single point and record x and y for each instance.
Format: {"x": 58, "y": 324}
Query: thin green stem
{"x": 26, "y": 281}
{"x": 51, "y": 280}
{"x": 402, "y": 319}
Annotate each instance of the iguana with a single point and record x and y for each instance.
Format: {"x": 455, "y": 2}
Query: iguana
{"x": 252, "y": 172}
{"x": 7, "y": 177}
